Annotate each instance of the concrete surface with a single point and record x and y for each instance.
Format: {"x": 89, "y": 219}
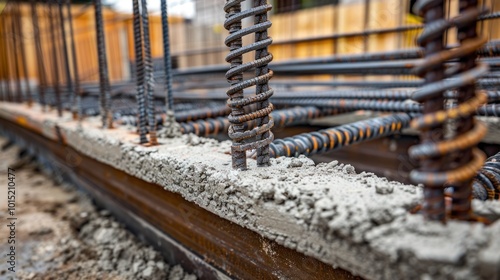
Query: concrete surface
{"x": 359, "y": 222}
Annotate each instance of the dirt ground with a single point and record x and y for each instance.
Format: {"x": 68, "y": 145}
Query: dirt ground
{"x": 59, "y": 234}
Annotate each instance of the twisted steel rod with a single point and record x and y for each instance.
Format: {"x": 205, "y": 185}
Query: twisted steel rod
{"x": 65, "y": 58}
{"x": 55, "y": 62}
{"x": 77, "y": 102}
{"x": 378, "y": 105}
{"x": 18, "y": 97}
{"x": 42, "y": 80}
{"x": 139, "y": 62}
{"x": 282, "y": 118}
{"x": 105, "y": 97}
{"x": 23, "y": 56}
{"x": 167, "y": 59}
{"x": 259, "y": 137}
{"x": 341, "y": 136}
{"x": 148, "y": 68}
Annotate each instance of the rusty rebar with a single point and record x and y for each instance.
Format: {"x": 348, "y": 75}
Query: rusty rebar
{"x": 461, "y": 206}
{"x": 167, "y": 59}
{"x": 105, "y": 97}
{"x": 42, "y": 81}
{"x": 77, "y": 102}
{"x": 18, "y": 96}
{"x": 148, "y": 68}
{"x": 139, "y": 71}
{"x": 259, "y": 137}
{"x": 336, "y": 137}
{"x": 55, "y": 63}
{"x": 435, "y": 153}
{"x": 20, "y": 35}
{"x": 65, "y": 58}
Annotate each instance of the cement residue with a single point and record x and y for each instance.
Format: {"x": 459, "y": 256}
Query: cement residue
{"x": 359, "y": 222}
{"x": 170, "y": 127}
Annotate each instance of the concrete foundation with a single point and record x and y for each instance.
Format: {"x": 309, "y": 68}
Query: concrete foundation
{"x": 356, "y": 221}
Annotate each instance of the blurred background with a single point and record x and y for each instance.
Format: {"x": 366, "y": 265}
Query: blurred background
{"x": 301, "y": 29}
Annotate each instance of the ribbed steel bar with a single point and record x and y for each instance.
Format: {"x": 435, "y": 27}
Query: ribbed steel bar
{"x": 233, "y": 9}
{"x": 378, "y": 105}
{"x": 18, "y": 96}
{"x": 203, "y": 113}
{"x": 148, "y": 67}
{"x": 486, "y": 184}
{"x": 282, "y": 118}
{"x": 167, "y": 59}
{"x": 393, "y": 95}
{"x": 438, "y": 156}
{"x": 105, "y": 98}
{"x": 2, "y": 74}
{"x": 55, "y": 63}
{"x": 7, "y": 56}
{"x": 77, "y": 102}
{"x": 65, "y": 58}
{"x": 42, "y": 81}
{"x": 461, "y": 205}
{"x": 259, "y": 137}
{"x": 139, "y": 66}
{"x": 263, "y": 74}
{"x": 4, "y": 62}
{"x": 341, "y": 136}
{"x": 20, "y": 34}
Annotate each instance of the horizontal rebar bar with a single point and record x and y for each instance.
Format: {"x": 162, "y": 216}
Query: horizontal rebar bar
{"x": 336, "y": 137}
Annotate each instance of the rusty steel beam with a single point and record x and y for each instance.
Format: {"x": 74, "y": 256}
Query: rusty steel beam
{"x": 181, "y": 226}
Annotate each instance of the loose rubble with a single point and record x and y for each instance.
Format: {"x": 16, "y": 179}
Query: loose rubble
{"x": 61, "y": 235}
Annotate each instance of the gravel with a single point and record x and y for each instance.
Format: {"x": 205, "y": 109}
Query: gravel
{"x": 61, "y": 235}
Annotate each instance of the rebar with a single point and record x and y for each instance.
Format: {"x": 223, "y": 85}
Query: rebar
{"x": 435, "y": 166}
{"x": 261, "y": 135}
{"x": 105, "y": 97}
{"x": 167, "y": 59}
{"x": 386, "y": 105}
{"x": 282, "y": 118}
{"x": 461, "y": 205}
{"x": 67, "y": 71}
{"x": 23, "y": 56}
{"x": 77, "y": 101}
{"x": 55, "y": 63}
{"x": 18, "y": 97}
{"x": 42, "y": 81}
{"x": 148, "y": 68}
{"x": 333, "y": 138}
{"x": 139, "y": 66}
{"x": 8, "y": 91}
{"x": 486, "y": 184}
{"x": 203, "y": 113}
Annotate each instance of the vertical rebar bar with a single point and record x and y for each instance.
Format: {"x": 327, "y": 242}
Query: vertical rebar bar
{"x": 139, "y": 71}
{"x": 148, "y": 67}
{"x": 461, "y": 207}
{"x": 238, "y": 157}
{"x": 2, "y": 65}
{"x": 167, "y": 59}
{"x": 434, "y": 204}
{"x": 77, "y": 101}
{"x": 23, "y": 57}
{"x": 67, "y": 71}
{"x": 105, "y": 95}
{"x": 366, "y": 24}
{"x": 7, "y": 57}
{"x": 55, "y": 63}
{"x": 262, "y": 86}
{"x": 39, "y": 54}
{"x": 15, "y": 52}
